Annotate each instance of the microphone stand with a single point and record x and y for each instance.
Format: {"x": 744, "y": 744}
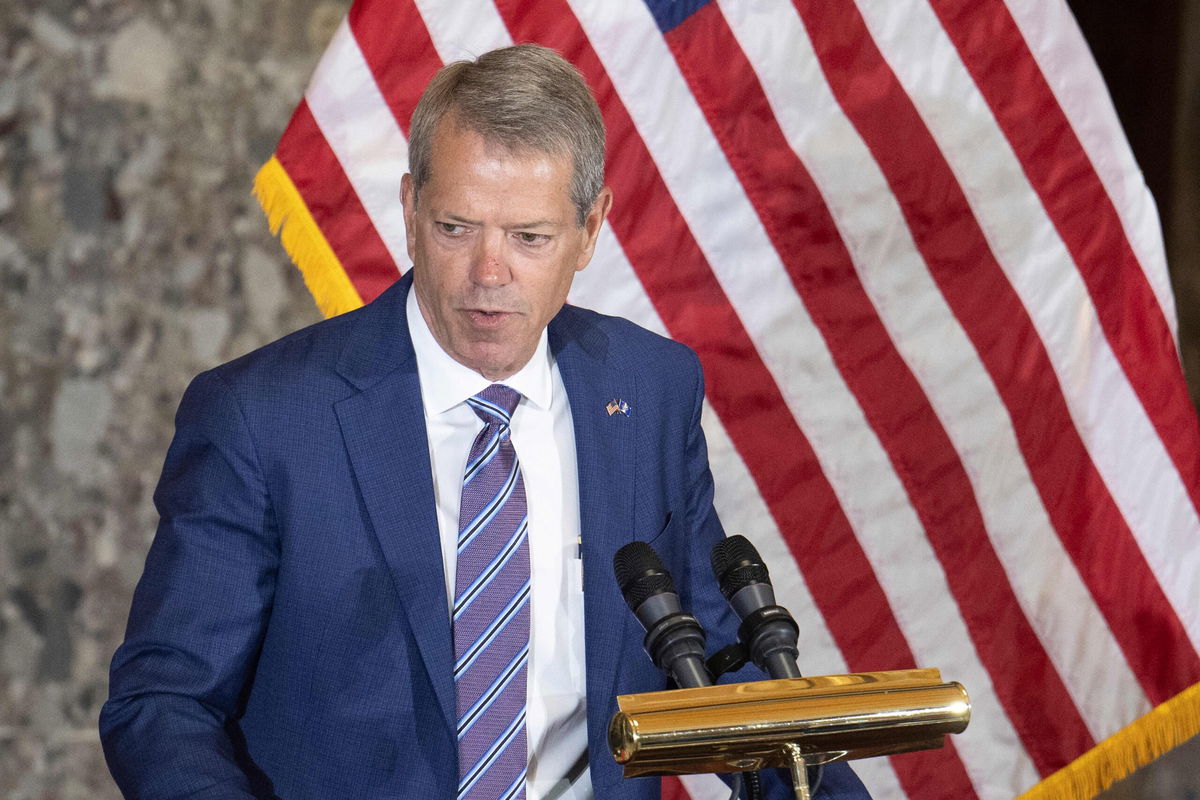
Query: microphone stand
{"x": 799, "y": 770}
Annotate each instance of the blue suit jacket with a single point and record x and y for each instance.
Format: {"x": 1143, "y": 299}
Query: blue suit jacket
{"x": 289, "y": 636}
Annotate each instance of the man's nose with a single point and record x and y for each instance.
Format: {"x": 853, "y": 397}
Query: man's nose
{"x": 490, "y": 267}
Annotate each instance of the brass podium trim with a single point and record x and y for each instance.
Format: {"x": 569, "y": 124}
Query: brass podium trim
{"x": 749, "y": 726}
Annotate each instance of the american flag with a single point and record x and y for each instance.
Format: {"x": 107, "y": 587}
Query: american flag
{"x": 927, "y": 285}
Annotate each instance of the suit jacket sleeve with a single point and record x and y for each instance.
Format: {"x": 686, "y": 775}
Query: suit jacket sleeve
{"x": 199, "y": 611}
{"x": 837, "y": 781}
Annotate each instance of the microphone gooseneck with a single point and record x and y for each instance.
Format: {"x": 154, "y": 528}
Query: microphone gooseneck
{"x": 674, "y": 640}
{"x": 768, "y": 629}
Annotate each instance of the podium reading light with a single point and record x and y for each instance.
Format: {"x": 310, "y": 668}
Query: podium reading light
{"x": 791, "y": 723}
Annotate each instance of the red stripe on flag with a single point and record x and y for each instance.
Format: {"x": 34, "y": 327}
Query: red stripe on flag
{"x": 672, "y": 789}
{"x": 402, "y": 64}
{"x": 1087, "y": 520}
{"x": 686, "y": 294}
{"x": 999, "y": 60}
{"x": 806, "y": 237}
{"x": 334, "y": 205}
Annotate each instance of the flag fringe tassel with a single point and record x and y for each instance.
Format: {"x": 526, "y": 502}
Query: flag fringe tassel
{"x": 1168, "y": 725}
{"x": 289, "y": 218}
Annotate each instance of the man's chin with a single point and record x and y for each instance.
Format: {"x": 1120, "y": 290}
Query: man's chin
{"x": 492, "y": 362}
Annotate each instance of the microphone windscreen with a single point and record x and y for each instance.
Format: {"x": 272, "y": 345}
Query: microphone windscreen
{"x": 640, "y": 573}
{"x": 737, "y": 564}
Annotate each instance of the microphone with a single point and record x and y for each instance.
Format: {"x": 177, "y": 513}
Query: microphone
{"x": 767, "y": 629}
{"x": 674, "y": 640}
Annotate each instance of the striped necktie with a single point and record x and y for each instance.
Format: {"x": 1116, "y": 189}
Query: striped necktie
{"x": 491, "y": 609}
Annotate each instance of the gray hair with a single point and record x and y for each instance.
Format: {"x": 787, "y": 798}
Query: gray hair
{"x": 525, "y": 97}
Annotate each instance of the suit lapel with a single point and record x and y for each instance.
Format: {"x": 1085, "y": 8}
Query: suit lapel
{"x": 604, "y": 447}
{"x": 384, "y": 431}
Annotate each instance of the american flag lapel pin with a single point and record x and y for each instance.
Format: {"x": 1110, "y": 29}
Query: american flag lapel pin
{"x": 616, "y": 405}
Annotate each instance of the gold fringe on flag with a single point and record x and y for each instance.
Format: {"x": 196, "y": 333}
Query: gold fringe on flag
{"x": 288, "y": 217}
{"x": 1136, "y": 745}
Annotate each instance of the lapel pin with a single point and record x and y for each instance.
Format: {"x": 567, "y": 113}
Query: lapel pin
{"x": 616, "y": 405}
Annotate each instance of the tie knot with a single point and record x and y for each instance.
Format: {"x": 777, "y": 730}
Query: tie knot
{"x": 496, "y": 403}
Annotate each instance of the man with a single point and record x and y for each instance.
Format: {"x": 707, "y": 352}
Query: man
{"x": 382, "y": 568}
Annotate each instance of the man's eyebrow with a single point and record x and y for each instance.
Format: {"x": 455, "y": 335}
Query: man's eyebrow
{"x": 541, "y": 223}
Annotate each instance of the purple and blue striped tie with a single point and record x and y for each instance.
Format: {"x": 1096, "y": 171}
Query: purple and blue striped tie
{"x": 491, "y": 609}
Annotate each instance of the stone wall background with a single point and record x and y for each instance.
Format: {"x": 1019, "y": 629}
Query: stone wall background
{"x": 132, "y": 257}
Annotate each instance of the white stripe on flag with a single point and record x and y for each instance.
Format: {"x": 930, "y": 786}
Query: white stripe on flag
{"x": 1057, "y": 44}
{"x": 609, "y": 285}
{"x": 1107, "y": 413}
{"x": 360, "y": 128}
{"x": 704, "y": 787}
{"x": 933, "y": 344}
{"x": 462, "y": 30}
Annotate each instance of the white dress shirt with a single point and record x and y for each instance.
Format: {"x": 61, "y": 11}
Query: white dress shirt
{"x": 542, "y": 435}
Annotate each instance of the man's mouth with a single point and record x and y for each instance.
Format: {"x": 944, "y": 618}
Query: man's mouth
{"x": 480, "y": 316}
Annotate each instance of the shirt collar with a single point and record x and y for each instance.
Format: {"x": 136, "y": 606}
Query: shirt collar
{"x": 445, "y": 383}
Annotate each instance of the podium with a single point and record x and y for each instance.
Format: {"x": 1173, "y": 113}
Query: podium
{"x": 792, "y": 723}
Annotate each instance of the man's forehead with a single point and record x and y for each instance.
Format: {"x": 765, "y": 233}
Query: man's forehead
{"x": 496, "y": 144}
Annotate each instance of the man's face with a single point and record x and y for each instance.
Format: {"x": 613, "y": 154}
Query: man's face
{"x": 495, "y": 244}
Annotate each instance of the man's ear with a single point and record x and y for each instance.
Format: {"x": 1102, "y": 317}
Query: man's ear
{"x": 592, "y": 224}
{"x": 408, "y": 199}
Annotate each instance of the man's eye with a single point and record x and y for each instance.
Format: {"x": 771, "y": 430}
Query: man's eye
{"x": 452, "y": 228}
{"x": 532, "y": 238}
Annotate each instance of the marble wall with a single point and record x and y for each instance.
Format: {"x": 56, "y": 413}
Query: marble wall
{"x": 132, "y": 256}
